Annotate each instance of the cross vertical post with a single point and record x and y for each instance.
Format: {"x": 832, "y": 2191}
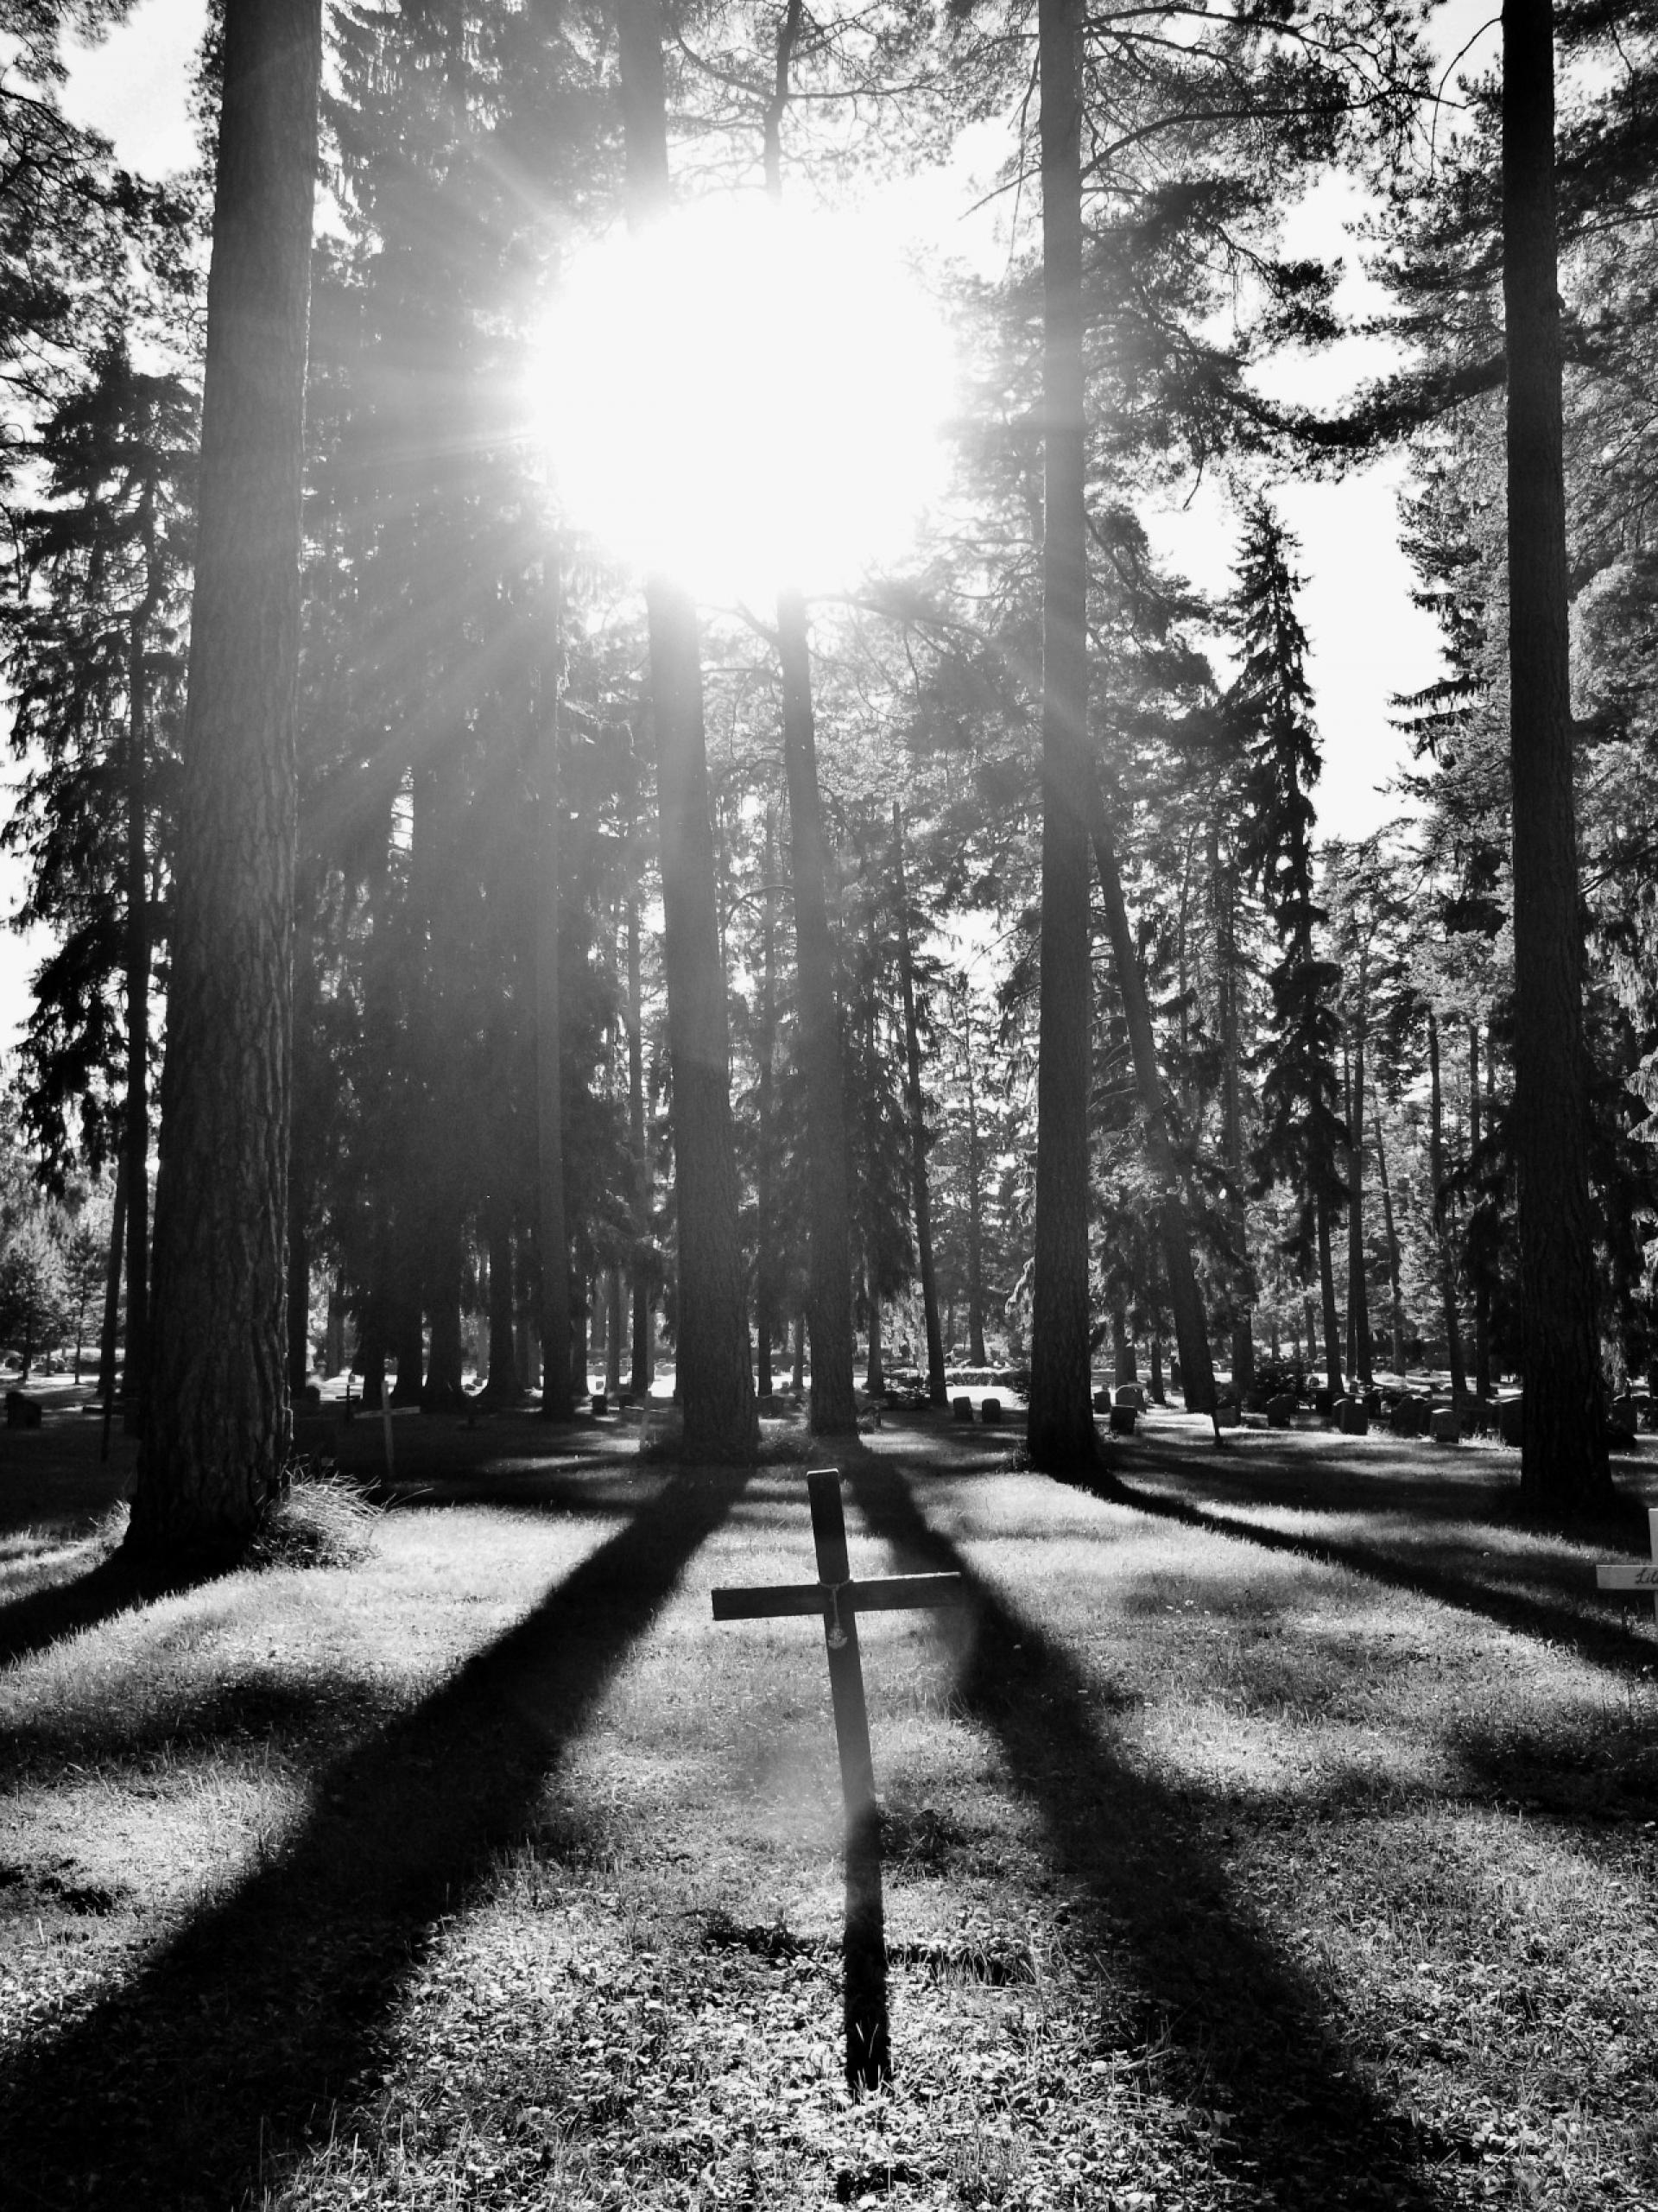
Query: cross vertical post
{"x": 868, "y": 2056}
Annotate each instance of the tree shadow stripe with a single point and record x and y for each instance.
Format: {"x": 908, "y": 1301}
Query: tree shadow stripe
{"x": 1210, "y": 1979}
{"x": 234, "y": 2039}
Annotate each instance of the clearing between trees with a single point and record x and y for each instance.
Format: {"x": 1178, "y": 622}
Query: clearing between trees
{"x": 1282, "y": 1831}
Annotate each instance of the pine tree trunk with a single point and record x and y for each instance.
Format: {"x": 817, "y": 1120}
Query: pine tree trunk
{"x": 135, "y": 859}
{"x": 975, "y": 1216}
{"x": 1563, "y": 1454}
{"x": 553, "y": 1242}
{"x": 217, "y": 1420}
{"x": 1327, "y": 1290}
{"x": 299, "y": 1290}
{"x": 829, "y": 1295}
{"x": 1396, "y": 1291}
{"x": 875, "y": 1377}
{"x": 640, "y": 1368}
{"x": 1358, "y": 1295}
{"x": 613, "y": 1331}
{"x": 798, "y": 1375}
{"x": 1232, "y": 1118}
{"x": 1481, "y": 1287}
{"x": 110, "y": 1333}
{"x": 505, "y": 1385}
{"x": 1060, "y": 1421}
{"x": 765, "y": 1264}
{"x": 1443, "y": 1248}
{"x": 443, "y": 1390}
{"x": 1191, "y": 1325}
{"x": 917, "y": 1109}
{"x": 716, "y": 1379}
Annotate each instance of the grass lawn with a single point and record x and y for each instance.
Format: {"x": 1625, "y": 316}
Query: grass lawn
{"x": 1281, "y": 1833}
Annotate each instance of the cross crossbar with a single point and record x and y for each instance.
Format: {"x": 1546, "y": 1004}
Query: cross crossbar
{"x": 875, "y": 1594}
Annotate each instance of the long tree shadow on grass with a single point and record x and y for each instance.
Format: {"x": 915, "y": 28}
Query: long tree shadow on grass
{"x": 86, "y": 1596}
{"x": 1413, "y": 1545}
{"x": 234, "y": 2039}
{"x": 1201, "y": 1977}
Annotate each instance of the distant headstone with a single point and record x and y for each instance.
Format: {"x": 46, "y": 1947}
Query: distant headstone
{"x": 1101, "y": 1401}
{"x": 1225, "y": 1416}
{"x": 1123, "y": 1420}
{"x": 1373, "y": 1404}
{"x": 1352, "y": 1419}
{"x": 1508, "y": 1420}
{"x": 1324, "y": 1403}
{"x": 21, "y": 1411}
{"x": 1280, "y": 1410}
{"x": 990, "y": 1411}
{"x": 961, "y": 1408}
{"x": 1131, "y": 1394}
{"x": 601, "y": 1402}
{"x": 1406, "y": 1419}
{"x": 1444, "y": 1425}
{"x": 1621, "y": 1420}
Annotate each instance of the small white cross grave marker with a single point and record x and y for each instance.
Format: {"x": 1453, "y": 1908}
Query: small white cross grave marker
{"x": 1623, "y": 1574}
{"x": 837, "y": 1600}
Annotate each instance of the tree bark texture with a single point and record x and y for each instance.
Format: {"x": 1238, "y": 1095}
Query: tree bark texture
{"x": 716, "y": 1381}
{"x": 917, "y": 1106}
{"x": 1481, "y": 1287}
{"x": 108, "y": 1335}
{"x": 505, "y": 1385}
{"x": 1395, "y": 1292}
{"x": 829, "y": 1292}
{"x": 558, "y": 1397}
{"x": 1327, "y": 1292}
{"x": 1231, "y": 1113}
{"x": 135, "y": 859}
{"x": 1563, "y": 1453}
{"x": 639, "y": 1369}
{"x": 1358, "y": 1295}
{"x": 766, "y": 1269}
{"x": 1060, "y": 1422}
{"x": 217, "y": 1420}
{"x": 1443, "y": 1248}
{"x": 974, "y": 1210}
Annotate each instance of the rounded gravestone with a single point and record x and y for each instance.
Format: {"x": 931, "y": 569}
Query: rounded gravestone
{"x": 1508, "y": 1420}
{"x": 1444, "y": 1425}
{"x": 1101, "y": 1401}
{"x": 990, "y": 1411}
{"x": 961, "y": 1409}
{"x": 1123, "y": 1420}
{"x": 1352, "y": 1419}
{"x": 1280, "y": 1410}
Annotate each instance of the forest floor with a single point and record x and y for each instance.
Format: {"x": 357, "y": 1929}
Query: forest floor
{"x": 1282, "y": 1831}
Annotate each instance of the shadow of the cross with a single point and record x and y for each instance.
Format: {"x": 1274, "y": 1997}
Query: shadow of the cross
{"x": 232, "y": 2040}
{"x": 1207, "y": 1981}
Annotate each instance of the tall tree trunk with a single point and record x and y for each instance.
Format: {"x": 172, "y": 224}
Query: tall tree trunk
{"x": 443, "y": 1390}
{"x": 505, "y": 1385}
{"x": 829, "y": 1295}
{"x": 798, "y": 1370}
{"x": 716, "y": 1381}
{"x": 613, "y": 1330}
{"x": 216, "y": 1421}
{"x": 1358, "y": 1295}
{"x": 1327, "y": 1291}
{"x": 1482, "y": 1286}
{"x": 299, "y": 1288}
{"x": 1563, "y": 1465}
{"x": 975, "y": 1213}
{"x": 640, "y": 1368}
{"x": 766, "y": 1268}
{"x": 1231, "y": 1115}
{"x": 1395, "y": 1292}
{"x": 135, "y": 1127}
{"x": 110, "y": 1333}
{"x": 558, "y": 1397}
{"x": 1443, "y": 1248}
{"x": 1060, "y": 1421}
{"x": 1191, "y": 1326}
{"x": 875, "y": 1375}
{"x": 917, "y": 1107}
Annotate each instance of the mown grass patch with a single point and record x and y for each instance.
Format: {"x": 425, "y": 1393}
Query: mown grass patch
{"x": 490, "y": 1871}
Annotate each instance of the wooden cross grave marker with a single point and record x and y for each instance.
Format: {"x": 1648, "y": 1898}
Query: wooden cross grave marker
{"x": 837, "y": 1599}
{"x": 1627, "y": 1575}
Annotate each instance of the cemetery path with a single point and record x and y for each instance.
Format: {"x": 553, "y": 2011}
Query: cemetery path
{"x": 226, "y": 2041}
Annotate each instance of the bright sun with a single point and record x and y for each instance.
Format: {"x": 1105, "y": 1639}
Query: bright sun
{"x": 743, "y": 399}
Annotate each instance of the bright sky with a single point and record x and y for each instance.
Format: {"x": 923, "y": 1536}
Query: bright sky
{"x": 1367, "y": 641}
